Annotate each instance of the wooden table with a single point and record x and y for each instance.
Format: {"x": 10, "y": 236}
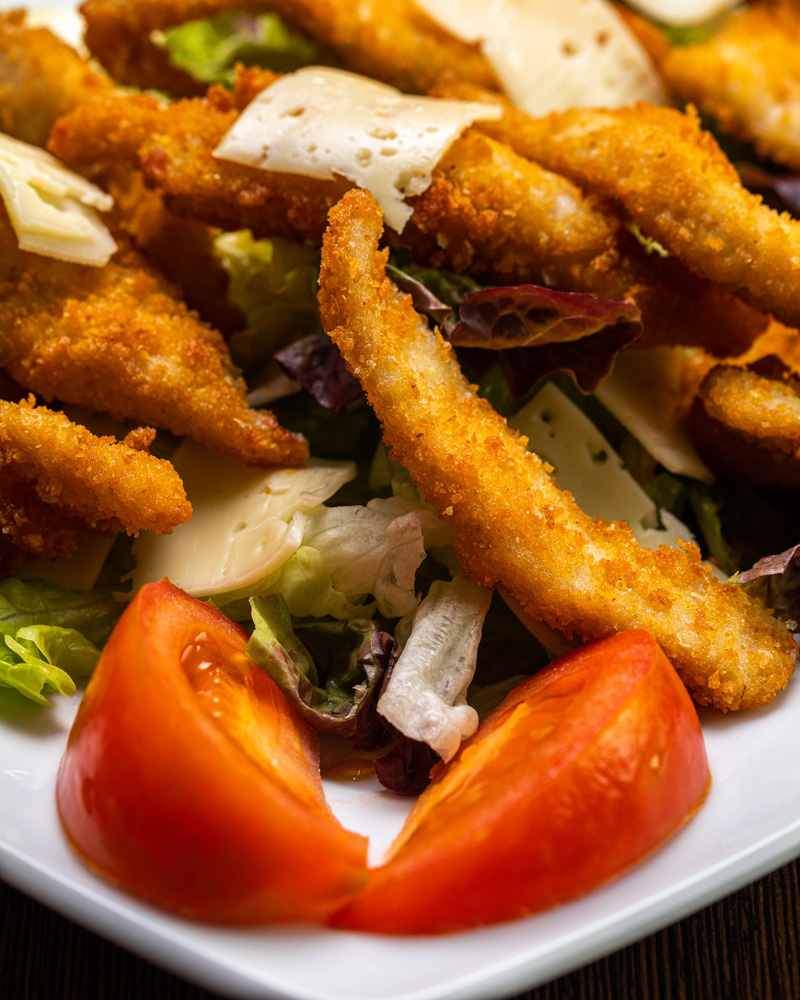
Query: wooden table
{"x": 746, "y": 947}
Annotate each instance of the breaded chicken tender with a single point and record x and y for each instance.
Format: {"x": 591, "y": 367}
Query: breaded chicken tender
{"x": 116, "y": 339}
{"x": 488, "y": 211}
{"x": 514, "y": 527}
{"x": 747, "y": 77}
{"x": 57, "y": 481}
{"x": 41, "y": 78}
{"x": 677, "y": 185}
{"x": 747, "y": 427}
{"x": 183, "y": 249}
{"x": 391, "y": 40}
{"x": 46, "y": 79}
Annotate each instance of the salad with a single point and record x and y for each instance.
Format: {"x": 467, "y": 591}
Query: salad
{"x": 333, "y": 564}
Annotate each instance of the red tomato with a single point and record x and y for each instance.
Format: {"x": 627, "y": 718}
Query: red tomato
{"x": 191, "y": 781}
{"x": 579, "y": 773}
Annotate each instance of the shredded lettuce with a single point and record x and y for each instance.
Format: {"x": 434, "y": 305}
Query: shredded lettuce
{"x": 50, "y": 635}
{"x": 209, "y": 49}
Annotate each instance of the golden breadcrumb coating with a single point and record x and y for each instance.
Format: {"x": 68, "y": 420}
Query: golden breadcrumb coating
{"x": 747, "y": 427}
{"x": 57, "y": 481}
{"x": 46, "y": 79}
{"x": 181, "y": 248}
{"x": 391, "y": 40}
{"x": 676, "y": 184}
{"x": 747, "y": 77}
{"x": 116, "y": 339}
{"x": 41, "y": 78}
{"x": 488, "y": 211}
{"x": 514, "y": 527}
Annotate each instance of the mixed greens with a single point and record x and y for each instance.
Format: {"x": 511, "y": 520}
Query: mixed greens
{"x": 368, "y": 602}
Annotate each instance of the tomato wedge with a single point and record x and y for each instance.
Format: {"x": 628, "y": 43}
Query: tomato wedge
{"x": 189, "y": 779}
{"x": 578, "y": 774}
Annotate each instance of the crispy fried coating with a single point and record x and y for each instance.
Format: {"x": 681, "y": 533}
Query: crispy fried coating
{"x": 514, "y": 527}
{"x": 747, "y": 77}
{"x": 41, "y": 78}
{"x": 180, "y": 247}
{"x": 488, "y": 211}
{"x": 675, "y": 182}
{"x": 116, "y": 339}
{"x": 57, "y": 481}
{"x": 748, "y": 427}
{"x": 391, "y": 40}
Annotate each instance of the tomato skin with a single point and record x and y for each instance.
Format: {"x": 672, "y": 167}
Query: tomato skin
{"x": 580, "y": 772}
{"x": 194, "y": 784}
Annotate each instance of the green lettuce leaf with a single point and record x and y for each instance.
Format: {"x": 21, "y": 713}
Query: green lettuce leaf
{"x": 331, "y": 671}
{"x": 40, "y": 602}
{"x": 351, "y": 553}
{"x": 41, "y": 657}
{"x": 274, "y": 284}
{"x": 209, "y": 49}
{"x": 50, "y": 634}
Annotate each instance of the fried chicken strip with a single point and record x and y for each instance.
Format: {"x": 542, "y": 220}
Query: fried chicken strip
{"x": 390, "y": 40}
{"x": 41, "y": 78}
{"x": 747, "y": 77}
{"x": 674, "y": 181}
{"x": 514, "y": 527}
{"x": 116, "y": 339}
{"x": 46, "y": 79}
{"x": 488, "y": 211}
{"x": 57, "y": 481}
{"x": 747, "y": 427}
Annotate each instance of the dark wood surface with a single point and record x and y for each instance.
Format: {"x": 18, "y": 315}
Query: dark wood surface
{"x": 746, "y": 947}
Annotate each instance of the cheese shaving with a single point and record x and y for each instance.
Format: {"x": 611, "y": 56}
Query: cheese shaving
{"x": 552, "y": 56}
{"x": 52, "y": 209}
{"x": 321, "y": 122}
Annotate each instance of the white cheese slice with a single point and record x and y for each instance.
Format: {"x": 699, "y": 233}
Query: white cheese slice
{"x": 51, "y": 208}
{"x": 468, "y": 20}
{"x": 586, "y": 465}
{"x": 61, "y": 19}
{"x": 321, "y": 122}
{"x": 245, "y": 522}
{"x": 79, "y": 572}
{"x": 684, "y": 12}
{"x": 642, "y": 393}
{"x": 549, "y": 56}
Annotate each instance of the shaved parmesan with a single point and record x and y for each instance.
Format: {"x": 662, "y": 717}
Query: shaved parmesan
{"x": 684, "y": 12}
{"x": 51, "y": 208}
{"x": 79, "y": 572}
{"x": 246, "y": 523}
{"x": 321, "y": 122}
{"x": 643, "y": 392}
{"x": 587, "y": 466}
{"x": 551, "y": 56}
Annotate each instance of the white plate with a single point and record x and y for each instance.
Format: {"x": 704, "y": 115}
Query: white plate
{"x": 749, "y": 825}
